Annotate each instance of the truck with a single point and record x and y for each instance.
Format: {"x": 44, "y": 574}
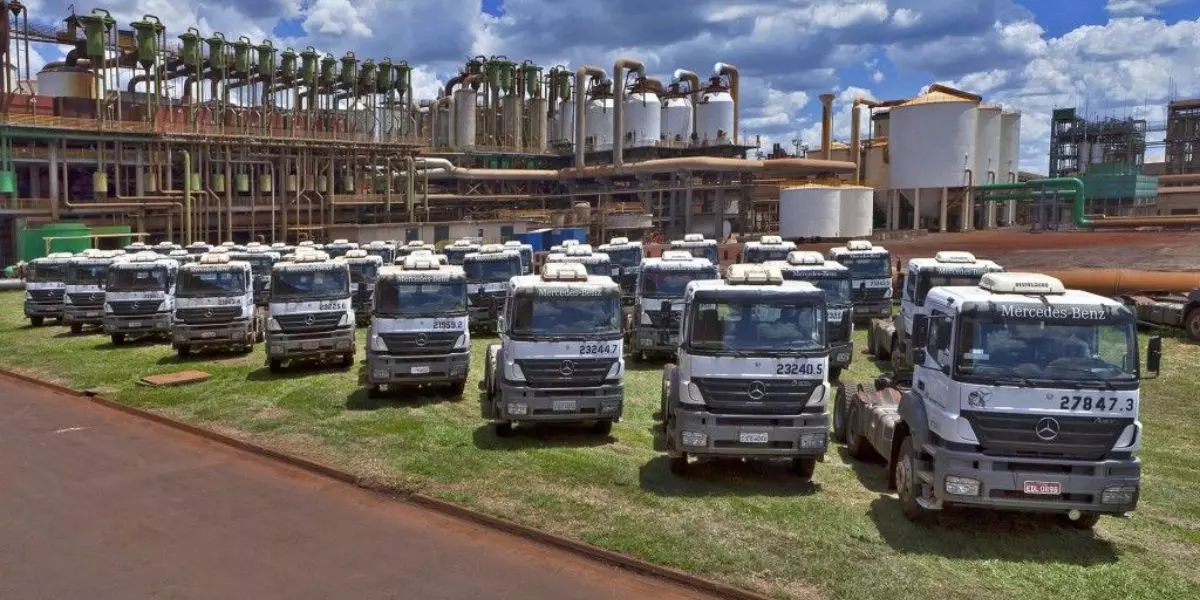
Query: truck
{"x": 1024, "y": 396}
{"x": 560, "y": 356}
{"x": 696, "y": 245}
{"x": 441, "y": 258}
{"x": 627, "y": 258}
{"x": 339, "y": 248}
{"x": 652, "y": 329}
{"x": 165, "y": 248}
{"x": 409, "y": 248}
{"x": 887, "y": 339}
{"x": 386, "y": 251}
{"x": 526, "y": 252}
{"x": 83, "y": 296}
{"x": 260, "y": 259}
{"x": 488, "y": 272}
{"x": 139, "y": 298}
{"x": 750, "y": 378}
{"x": 768, "y": 248}
{"x": 215, "y": 306}
{"x": 196, "y": 248}
{"x": 561, "y": 248}
{"x": 182, "y": 257}
{"x": 310, "y": 317}
{"x": 420, "y": 332}
{"x": 459, "y": 250}
{"x": 834, "y": 279}
{"x": 45, "y": 285}
{"x": 596, "y": 263}
{"x": 870, "y": 277}
{"x": 364, "y": 271}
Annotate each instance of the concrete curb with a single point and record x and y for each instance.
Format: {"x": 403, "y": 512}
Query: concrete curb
{"x": 589, "y": 551}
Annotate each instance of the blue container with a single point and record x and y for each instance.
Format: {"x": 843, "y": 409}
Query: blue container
{"x": 533, "y": 238}
{"x": 579, "y": 234}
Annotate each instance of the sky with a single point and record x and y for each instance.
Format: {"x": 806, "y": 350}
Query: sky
{"x": 1105, "y": 57}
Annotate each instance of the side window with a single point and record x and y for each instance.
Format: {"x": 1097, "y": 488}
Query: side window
{"x": 938, "y": 346}
{"x": 910, "y": 286}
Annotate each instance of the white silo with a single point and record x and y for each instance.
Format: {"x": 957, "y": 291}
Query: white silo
{"x": 714, "y": 114}
{"x": 810, "y": 211}
{"x": 564, "y": 121}
{"x": 538, "y": 128}
{"x": 676, "y": 116}
{"x": 931, "y": 144}
{"x": 857, "y": 214}
{"x": 464, "y": 118}
{"x": 642, "y": 121}
{"x": 597, "y": 123}
{"x": 1010, "y": 146}
{"x": 987, "y": 145}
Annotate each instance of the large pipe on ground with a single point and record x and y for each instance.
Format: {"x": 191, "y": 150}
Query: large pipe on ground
{"x": 619, "y": 67}
{"x": 827, "y": 126}
{"x": 1120, "y": 282}
{"x": 582, "y": 75}
{"x": 1073, "y": 187}
{"x": 731, "y": 72}
{"x": 775, "y": 168}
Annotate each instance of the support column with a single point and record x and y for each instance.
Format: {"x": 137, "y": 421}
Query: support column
{"x": 990, "y": 211}
{"x": 968, "y": 218}
{"x": 139, "y": 174}
{"x": 719, "y": 212}
{"x": 889, "y": 197}
{"x": 1011, "y": 218}
{"x": 35, "y": 181}
{"x": 944, "y": 210}
{"x": 53, "y": 180}
{"x": 916, "y": 209}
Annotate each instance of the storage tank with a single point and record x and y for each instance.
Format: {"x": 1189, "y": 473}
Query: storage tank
{"x": 1010, "y": 146}
{"x": 987, "y": 145}
{"x": 537, "y": 129}
{"x": 464, "y": 118}
{"x": 66, "y": 82}
{"x": 676, "y": 116}
{"x": 714, "y": 114}
{"x": 564, "y": 122}
{"x": 597, "y": 122}
{"x": 857, "y": 214}
{"x": 444, "y": 114}
{"x": 931, "y": 141}
{"x": 642, "y": 120}
{"x": 810, "y": 211}
{"x": 512, "y": 109}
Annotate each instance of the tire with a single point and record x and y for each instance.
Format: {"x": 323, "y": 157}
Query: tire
{"x": 804, "y": 467}
{"x": 840, "y": 413}
{"x": 347, "y": 360}
{"x": 908, "y": 485}
{"x": 275, "y": 365}
{"x": 36, "y": 321}
{"x": 457, "y": 388}
{"x": 835, "y": 374}
{"x": 374, "y": 391}
{"x": 856, "y": 444}
{"x": 678, "y": 465}
{"x": 897, "y": 357}
{"x": 503, "y": 429}
{"x": 183, "y": 351}
{"x": 602, "y": 427}
{"x": 870, "y": 342}
{"x": 118, "y": 339}
{"x": 1086, "y": 521}
{"x": 1191, "y": 324}
{"x": 665, "y": 396}
{"x": 76, "y": 328}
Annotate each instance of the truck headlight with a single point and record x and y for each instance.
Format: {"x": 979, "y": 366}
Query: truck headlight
{"x": 461, "y": 342}
{"x": 1122, "y": 494}
{"x": 616, "y": 370}
{"x": 513, "y": 372}
{"x": 107, "y": 307}
{"x": 376, "y": 344}
{"x": 961, "y": 486}
{"x": 273, "y": 325}
{"x": 28, "y": 296}
{"x": 347, "y": 319}
{"x": 887, "y": 292}
{"x": 691, "y": 394}
{"x": 817, "y": 397}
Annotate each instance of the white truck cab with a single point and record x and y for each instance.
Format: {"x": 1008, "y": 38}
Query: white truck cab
{"x": 653, "y": 326}
{"x": 870, "y": 277}
{"x": 83, "y": 296}
{"x": 260, "y": 259}
{"x": 750, "y": 378}
{"x": 310, "y": 315}
{"x": 164, "y": 248}
{"x": 459, "y": 250}
{"x": 488, "y": 272}
{"x": 384, "y": 250}
{"x": 526, "y": 252}
{"x": 364, "y": 270}
{"x": 419, "y": 331}
{"x": 560, "y": 356}
{"x": 768, "y": 248}
{"x": 596, "y": 263}
{"x": 441, "y": 258}
{"x": 215, "y": 306}
{"x": 696, "y": 245}
{"x": 339, "y": 248}
{"x": 627, "y": 258}
{"x": 45, "y": 286}
{"x": 139, "y": 296}
{"x": 409, "y": 248}
{"x": 834, "y": 279}
{"x": 1025, "y": 396}
{"x": 195, "y": 248}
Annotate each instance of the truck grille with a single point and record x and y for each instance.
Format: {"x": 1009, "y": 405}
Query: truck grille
{"x": 867, "y": 294}
{"x": 208, "y": 314}
{"x": 566, "y": 373}
{"x": 46, "y": 296}
{"x": 432, "y": 342}
{"x": 134, "y": 307}
{"x": 1080, "y": 438}
{"x": 487, "y": 299}
{"x": 741, "y": 396}
{"x": 87, "y": 299}
{"x": 837, "y": 332}
{"x": 665, "y": 319}
{"x": 307, "y": 322}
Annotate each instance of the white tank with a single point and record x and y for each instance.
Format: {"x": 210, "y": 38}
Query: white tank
{"x": 66, "y": 82}
{"x": 677, "y": 120}
{"x": 642, "y": 120}
{"x": 714, "y": 118}
{"x": 857, "y": 214}
{"x": 464, "y": 118}
{"x": 564, "y": 121}
{"x": 987, "y": 145}
{"x": 1010, "y": 146}
{"x": 931, "y": 141}
{"x": 537, "y": 129}
{"x": 810, "y": 211}
{"x": 598, "y": 124}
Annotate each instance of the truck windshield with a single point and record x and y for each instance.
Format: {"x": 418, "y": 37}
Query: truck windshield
{"x": 868, "y": 267}
{"x": 929, "y": 279}
{"x": 837, "y": 289}
{"x": 387, "y": 254}
{"x": 259, "y": 265}
{"x": 403, "y": 299}
{"x": 994, "y": 346}
{"x": 488, "y": 271}
{"x": 709, "y": 252}
{"x": 599, "y": 268}
{"x": 536, "y": 315}
{"x": 456, "y": 255}
{"x": 151, "y": 279}
{"x": 762, "y": 254}
{"x": 625, "y": 257}
{"x": 337, "y": 251}
{"x": 47, "y": 273}
{"x": 87, "y": 274}
{"x": 777, "y": 326}
{"x": 210, "y": 283}
{"x": 364, "y": 272}
{"x": 301, "y": 286}
{"x": 670, "y": 284}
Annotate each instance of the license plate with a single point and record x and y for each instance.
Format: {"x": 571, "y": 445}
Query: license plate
{"x": 91, "y": 313}
{"x": 843, "y": 357}
{"x": 753, "y": 438}
{"x": 135, "y": 324}
{"x": 309, "y": 345}
{"x": 616, "y": 272}
{"x": 419, "y": 370}
{"x": 208, "y": 334}
{"x": 564, "y": 406}
{"x": 673, "y": 340}
{"x": 1043, "y": 488}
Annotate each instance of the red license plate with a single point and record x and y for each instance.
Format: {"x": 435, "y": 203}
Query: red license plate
{"x": 1043, "y": 488}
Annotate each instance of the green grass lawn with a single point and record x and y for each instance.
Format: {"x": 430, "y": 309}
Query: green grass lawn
{"x": 752, "y": 525}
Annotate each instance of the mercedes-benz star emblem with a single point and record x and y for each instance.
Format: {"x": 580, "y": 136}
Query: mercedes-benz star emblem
{"x": 757, "y": 390}
{"x": 133, "y": 306}
{"x": 310, "y": 319}
{"x": 208, "y": 314}
{"x": 567, "y": 369}
{"x": 422, "y": 339}
{"x": 1046, "y": 429}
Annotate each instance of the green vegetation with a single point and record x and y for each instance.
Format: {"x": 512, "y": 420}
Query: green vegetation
{"x": 753, "y": 525}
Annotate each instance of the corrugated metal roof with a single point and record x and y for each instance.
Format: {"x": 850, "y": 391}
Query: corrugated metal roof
{"x": 933, "y": 98}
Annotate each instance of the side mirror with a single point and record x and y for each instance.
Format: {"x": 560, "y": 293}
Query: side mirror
{"x": 1154, "y": 354}
{"x": 920, "y": 332}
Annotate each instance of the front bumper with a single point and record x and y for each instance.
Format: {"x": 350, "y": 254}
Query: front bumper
{"x": 310, "y": 345}
{"x": 37, "y": 309}
{"x": 804, "y": 434}
{"x": 841, "y": 354}
{"x": 1002, "y": 481}
{"x": 605, "y": 402}
{"x": 649, "y": 339}
{"x": 402, "y": 369}
{"x": 84, "y": 315}
{"x": 148, "y": 323}
{"x": 872, "y": 309}
{"x": 220, "y": 334}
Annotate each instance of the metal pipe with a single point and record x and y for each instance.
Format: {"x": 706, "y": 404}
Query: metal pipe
{"x": 735, "y": 91}
{"x": 855, "y": 141}
{"x": 582, "y": 75}
{"x": 1119, "y": 282}
{"x": 826, "y": 126}
{"x": 618, "y": 122}
{"x": 694, "y": 87}
{"x": 776, "y": 168}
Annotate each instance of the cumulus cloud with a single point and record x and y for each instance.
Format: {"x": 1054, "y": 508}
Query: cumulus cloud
{"x": 1135, "y": 8}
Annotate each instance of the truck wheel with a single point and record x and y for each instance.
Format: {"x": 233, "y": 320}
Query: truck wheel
{"x": 375, "y": 391}
{"x": 183, "y": 351}
{"x": 347, "y": 360}
{"x": 840, "y": 411}
{"x": 678, "y": 465}
{"x": 276, "y": 365}
{"x": 36, "y": 321}
{"x": 118, "y": 339}
{"x": 908, "y": 485}
{"x": 1086, "y": 521}
{"x": 835, "y": 373}
{"x": 804, "y": 467}
{"x": 602, "y": 427}
{"x": 856, "y": 445}
{"x": 1192, "y": 324}
{"x": 456, "y": 388}
{"x": 882, "y": 352}
{"x": 502, "y": 429}
{"x": 76, "y": 328}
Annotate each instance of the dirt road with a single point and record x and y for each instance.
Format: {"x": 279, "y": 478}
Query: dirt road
{"x": 97, "y": 504}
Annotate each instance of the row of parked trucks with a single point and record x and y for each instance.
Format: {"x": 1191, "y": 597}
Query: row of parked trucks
{"x": 1006, "y": 390}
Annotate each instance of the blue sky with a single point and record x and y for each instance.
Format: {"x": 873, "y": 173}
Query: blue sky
{"x": 1111, "y": 56}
